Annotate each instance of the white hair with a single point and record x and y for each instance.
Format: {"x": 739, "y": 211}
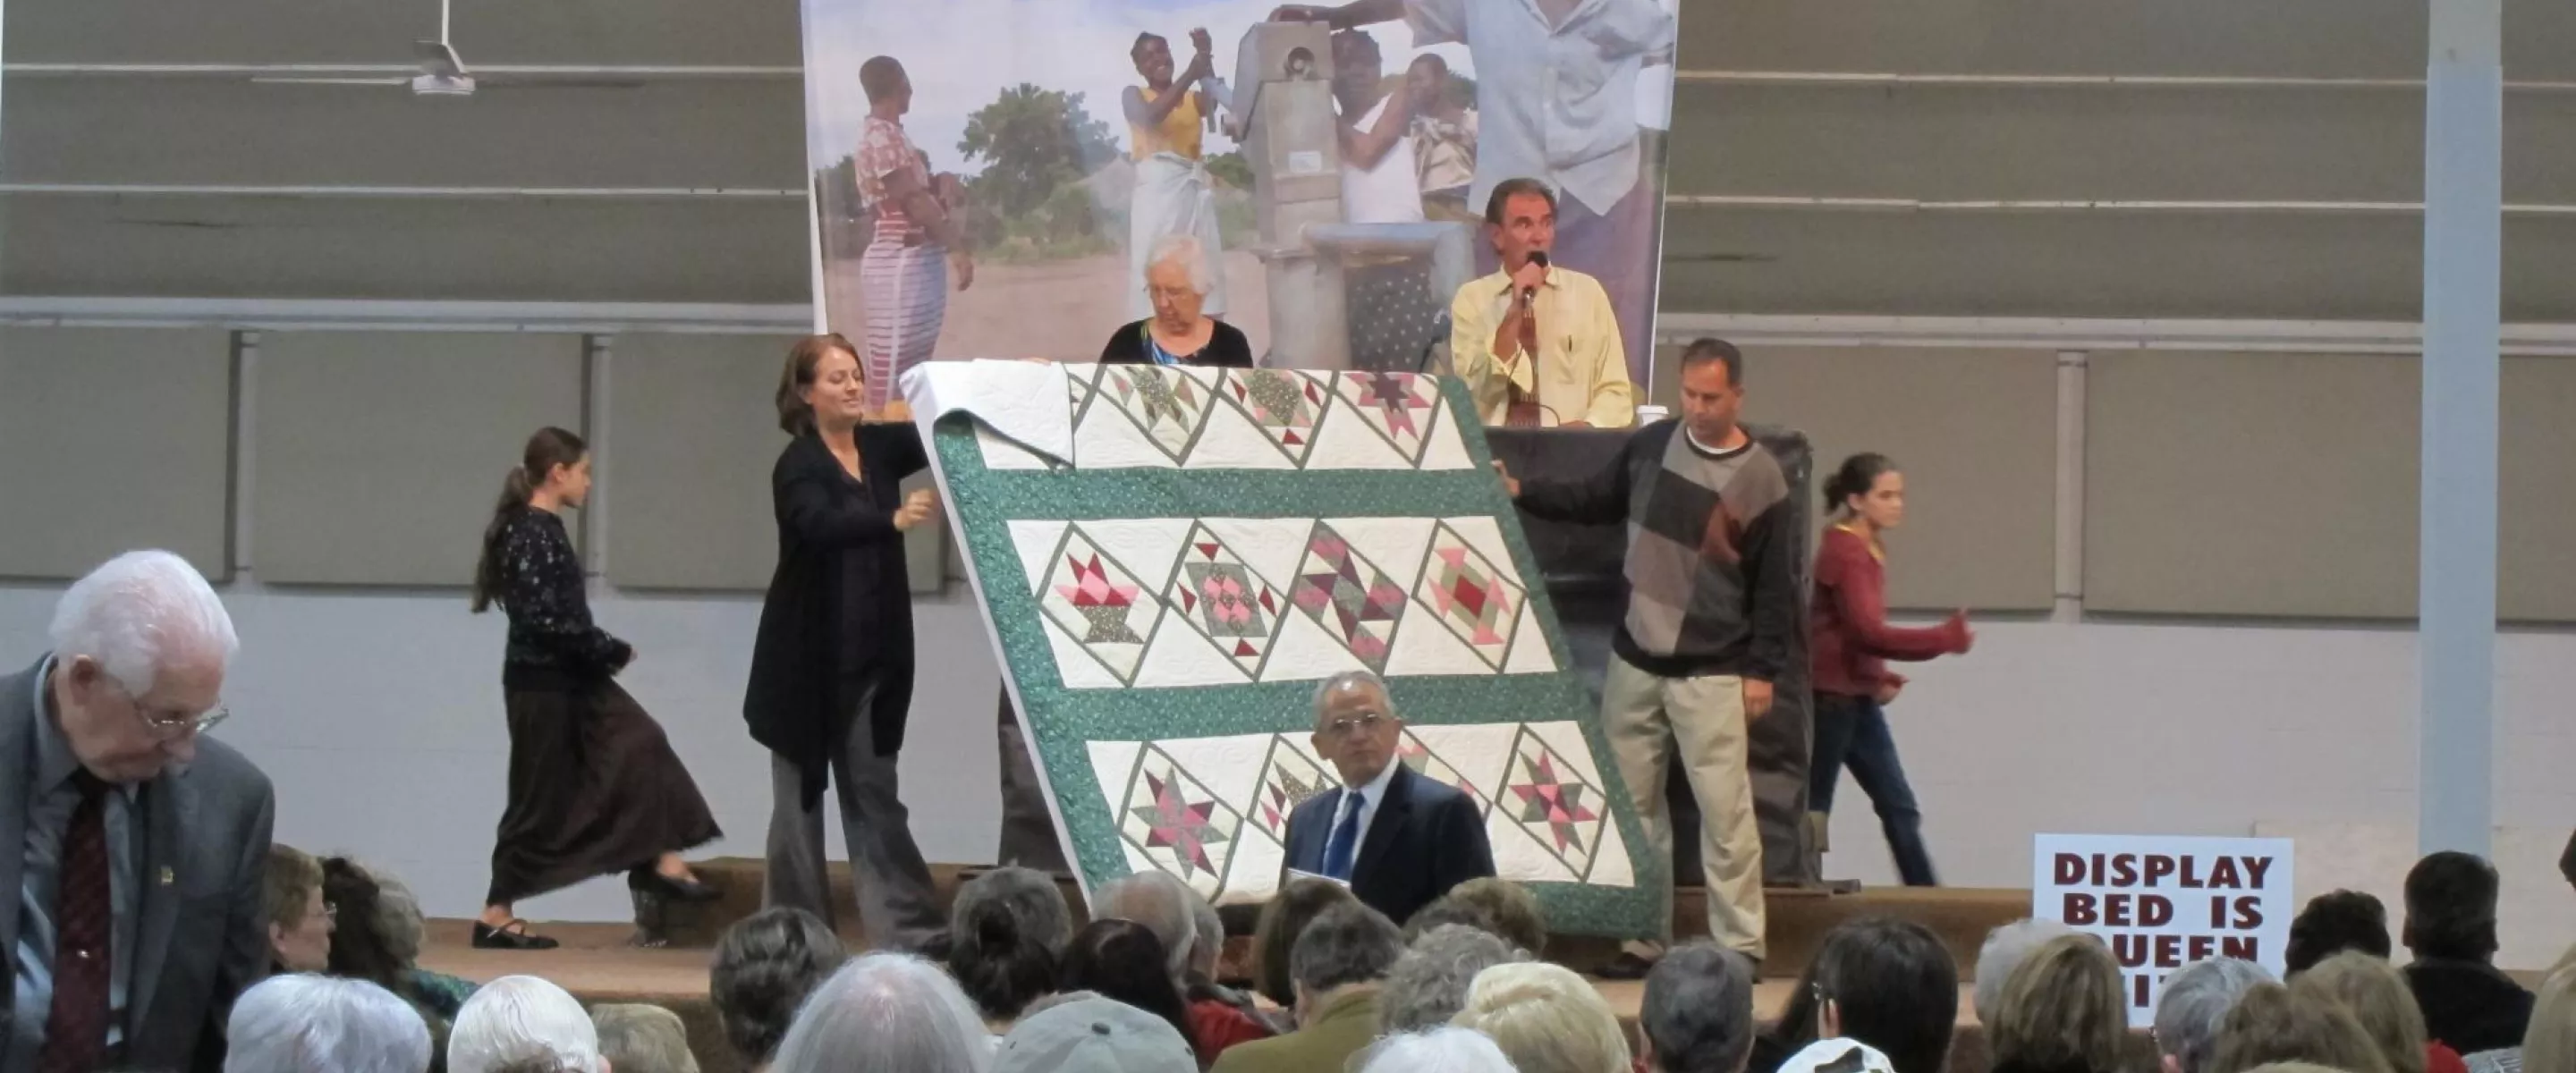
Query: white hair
{"x": 1548, "y": 1019}
{"x": 1161, "y": 902}
{"x": 1441, "y": 1050}
{"x": 1189, "y": 253}
{"x": 324, "y": 1024}
{"x": 2005, "y": 949}
{"x": 1346, "y": 681}
{"x": 141, "y": 612}
{"x": 894, "y": 1013}
{"x": 522, "y": 1022}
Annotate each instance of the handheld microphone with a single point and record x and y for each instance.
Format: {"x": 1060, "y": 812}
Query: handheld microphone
{"x": 1539, "y": 258}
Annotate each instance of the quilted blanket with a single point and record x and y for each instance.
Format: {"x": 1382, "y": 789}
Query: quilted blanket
{"x": 1192, "y": 550}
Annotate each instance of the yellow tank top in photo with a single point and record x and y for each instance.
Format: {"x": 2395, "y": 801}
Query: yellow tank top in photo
{"x": 1179, "y": 132}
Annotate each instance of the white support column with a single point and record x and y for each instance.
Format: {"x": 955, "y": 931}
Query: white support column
{"x": 2463, "y": 223}
{"x": 2070, "y": 487}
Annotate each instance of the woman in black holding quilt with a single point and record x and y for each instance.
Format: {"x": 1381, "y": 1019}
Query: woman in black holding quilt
{"x": 831, "y": 672}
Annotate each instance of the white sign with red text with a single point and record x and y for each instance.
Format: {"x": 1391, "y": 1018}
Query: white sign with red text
{"x": 2163, "y": 903}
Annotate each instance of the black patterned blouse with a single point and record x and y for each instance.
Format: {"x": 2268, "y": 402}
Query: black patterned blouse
{"x": 543, "y": 591}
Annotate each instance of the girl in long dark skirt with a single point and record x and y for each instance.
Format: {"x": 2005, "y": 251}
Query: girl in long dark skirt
{"x": 594, "y": 785}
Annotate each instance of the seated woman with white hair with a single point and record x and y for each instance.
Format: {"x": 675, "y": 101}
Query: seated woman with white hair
{"x": 1441, "y": 1050}
{"x": 324, "y": 1024}
{"x": 518, "y": 1024}
{"x": 886, "y": 1013}
{"x": 1546, "y": 1019}
{"x": 1177, "y": 280}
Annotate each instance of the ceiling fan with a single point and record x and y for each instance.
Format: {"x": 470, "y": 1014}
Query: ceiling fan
{"x": 442, "y": 72}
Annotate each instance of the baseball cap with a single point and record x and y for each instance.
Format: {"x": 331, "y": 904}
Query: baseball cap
{"x": 1094, "y": 1035}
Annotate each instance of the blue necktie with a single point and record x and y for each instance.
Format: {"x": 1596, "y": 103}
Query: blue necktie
{"x": 1345, "y": 840}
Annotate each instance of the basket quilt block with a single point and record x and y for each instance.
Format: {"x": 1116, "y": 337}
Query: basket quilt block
{"x": 1194, "y": 550}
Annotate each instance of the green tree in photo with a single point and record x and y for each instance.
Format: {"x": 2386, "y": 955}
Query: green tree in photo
{"x": 1032, "y": 141}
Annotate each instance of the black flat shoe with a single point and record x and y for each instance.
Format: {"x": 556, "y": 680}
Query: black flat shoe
{"x": 1628, "y": 966}
{"x": 679, "y": 890}
{"x": 511, "y": 936}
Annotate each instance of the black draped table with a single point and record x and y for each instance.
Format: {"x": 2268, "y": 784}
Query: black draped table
{"x": 1581, "y": 568}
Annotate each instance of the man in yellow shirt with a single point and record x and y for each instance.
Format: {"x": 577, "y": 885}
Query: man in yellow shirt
{"x": 1537, "y": 344}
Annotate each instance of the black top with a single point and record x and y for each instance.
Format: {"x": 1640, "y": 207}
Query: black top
{"x": 2469, "y": 1006}
{"x": 839, "y": 610}
{"x": 543, "y": 592}
{"x": 1226, "y": 349}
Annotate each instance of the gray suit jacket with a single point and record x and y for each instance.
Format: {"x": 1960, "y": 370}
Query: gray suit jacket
{"x": 202, "y": 938}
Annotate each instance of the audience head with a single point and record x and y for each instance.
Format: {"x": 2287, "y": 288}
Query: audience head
{"x": 822, "y": 383}
{"x": 2194, "y": 1004}
{"x": 1208, "y": 939}
{"x": 141, "y": 645}
{"x": 1436, "y": 1050}
{"x": 886, "y": 1013}
{"x": 637, "y": 1038}
{"x": 1547, "y": 1019}
{"x": 1884, "y": 982}
{"x": 521, "y": 1023}
{"x": 2549, "y": 1044}
{"x": 320, "y": 1024}
{"x": 1282, "y": 920}
{"x": 2451, "y": 907}
{"x": 299, "y": 918}
{"x": 1008, "y": 926}
{"x": 1092, "y": 1034}
{"x": 2062, "y": 1009}
{"x": 1161, "y": 903}
{"x": 1428, "y": 985}
{"x": 764, "y": 967}
{"x": 2273, "y": 1024}
{"x": 2378, "y": 997}
{"x": 1509, "y": 908}
{"x": 375, "y": 933}
{"x": 1697, "y": 1016}
{"x": 2333, "y": 923}
{"x": 1347, "y": 945}
{"x": 1356, "y": 728}
{"x": 1123, "y": 960}
{"x": 2003, "y": 952}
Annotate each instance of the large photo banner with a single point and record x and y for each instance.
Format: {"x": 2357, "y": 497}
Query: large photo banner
{"x": 1024, "y": 178}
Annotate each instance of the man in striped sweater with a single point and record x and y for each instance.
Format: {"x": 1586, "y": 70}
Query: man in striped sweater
{"x": 1712, "y": 598}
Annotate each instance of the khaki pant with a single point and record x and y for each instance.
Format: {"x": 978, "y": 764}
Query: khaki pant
{"x": 1646, "y": 717}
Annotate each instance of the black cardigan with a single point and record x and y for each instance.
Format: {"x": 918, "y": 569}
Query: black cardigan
{"x": 1226, "y": 349}
{"x": 840, "y": 604}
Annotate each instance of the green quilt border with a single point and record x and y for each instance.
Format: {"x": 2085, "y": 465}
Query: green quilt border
{"x": 988, "y": 500}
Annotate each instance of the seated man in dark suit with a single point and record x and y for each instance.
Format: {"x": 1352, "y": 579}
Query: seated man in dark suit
{"x": 137, "y": 850}
{"x": 1400, "y": 840}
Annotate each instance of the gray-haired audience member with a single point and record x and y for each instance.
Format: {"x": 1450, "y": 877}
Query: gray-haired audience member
{"x": 1094, "y": 1035}
{"x": 323, "y": 1024}
{"x": 1339, "y": 963}
{"x": 2003, "y": 952}
{"x": 1160, "y": 902}
{"x": 1697, "y": 1016}
{"x": 2194, "y": 1004}
{"x": 636, "y": 1038}
{"x": 521, "y": 1022}
{"x": 764, "y": 967}
{"x": 1440, "y": 1050}
{"x": 1428, "y": 985}
{"x": 887, "y": 1013}
{"x": 1008, "y": 929}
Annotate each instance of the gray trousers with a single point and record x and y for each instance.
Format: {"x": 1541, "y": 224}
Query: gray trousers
{"x": 1028, "y": 828}
{"x": 898, "y": 907}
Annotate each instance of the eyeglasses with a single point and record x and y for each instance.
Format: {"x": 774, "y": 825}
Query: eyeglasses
{"x": 1365, "y": 723}
{"x": 181, "y": 725}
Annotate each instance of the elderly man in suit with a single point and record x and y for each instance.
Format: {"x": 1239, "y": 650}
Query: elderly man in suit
{"x": 1398, "y": 839}
{"x": 140, "y": 847}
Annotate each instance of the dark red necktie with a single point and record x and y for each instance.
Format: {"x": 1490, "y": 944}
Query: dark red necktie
{"x": 76, "y": 1029}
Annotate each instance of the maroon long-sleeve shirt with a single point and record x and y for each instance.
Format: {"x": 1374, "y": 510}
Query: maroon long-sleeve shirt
{"x": 1849, "y": 638}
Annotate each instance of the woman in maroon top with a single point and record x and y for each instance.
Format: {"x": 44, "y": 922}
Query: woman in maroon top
{"x": 1850, "y": 643}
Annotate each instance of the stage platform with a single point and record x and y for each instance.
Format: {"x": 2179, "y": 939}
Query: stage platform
{"x": 597, "y": 964}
